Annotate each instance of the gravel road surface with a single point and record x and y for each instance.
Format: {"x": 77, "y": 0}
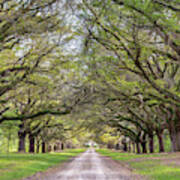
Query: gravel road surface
{"x": 90, "y": 166}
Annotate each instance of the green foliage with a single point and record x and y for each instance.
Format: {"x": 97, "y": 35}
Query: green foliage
{"x": 130, "y": 58}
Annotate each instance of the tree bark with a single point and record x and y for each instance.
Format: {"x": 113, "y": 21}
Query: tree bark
{"x": 124, "y": 143}
{"x": 37, "y": 146}
{"x": 129, "y": 146}
{"x": 62, "y": 146}
{"x": 8, "y": 143}
{"x": 134, "y": 147}
{"x": 143, "y": 144}
{"x": 49, "y": 148}
{"x": 138, "y": 150}
{"x": 151, "y": 143}
{"x": 144, "y": 148}
{"x": 125, "y": 147}
{"x": 175, "y": 142}
{"x": 21, "y": 140}
{"x": 174, "y": 129}
{"x": 160, "y": 140}
{"x": 31, "y": 143}
{"x": 117, "y": 146}
{"x": 43, "y": 147}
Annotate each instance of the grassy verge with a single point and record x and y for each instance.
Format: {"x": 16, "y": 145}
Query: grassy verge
{"x": 15, "y": 166}
{"x": 154, "y": 166}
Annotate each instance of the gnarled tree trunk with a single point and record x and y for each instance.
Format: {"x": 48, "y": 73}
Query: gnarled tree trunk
{"x": 174, "y": 128}
{"x": 138, "y": 150}
{"x": 21, "y": 138}
{"x": 49, "y": 148}
{"x": 175, "y": 141}
{"x": 144, "y": 148}
{"x": 151, "y": 143}
{"x": 129, "y": 146}
{"x": 143, "y": 144}
{"x": 31, "y": 143}
{"x": 62, "y": 146}
{"x": 134, "y": 147}
{"x": 124, "y": 143}
{"x": 43, "y": 147}
{"x": 37, "y": 146}
{"x": 160, "y": 140}
{"x": 117, "y": 146}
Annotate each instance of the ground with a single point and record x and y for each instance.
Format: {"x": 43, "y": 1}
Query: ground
{"x": 89, "y": 166}
{"x": 15, "y": 166}
{"x": 157, "y": 166}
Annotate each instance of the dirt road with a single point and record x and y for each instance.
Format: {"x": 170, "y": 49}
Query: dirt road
{"x": 91, "y": 166}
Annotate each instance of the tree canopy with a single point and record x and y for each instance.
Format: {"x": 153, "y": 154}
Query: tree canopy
{"x": 106, "y": 69}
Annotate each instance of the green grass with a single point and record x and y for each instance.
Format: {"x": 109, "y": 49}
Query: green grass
{"x": 14, "y": 166}
{"x": 147, "y": 165}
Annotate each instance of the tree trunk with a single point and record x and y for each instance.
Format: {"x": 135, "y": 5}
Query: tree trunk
{"x": 144, "y": 148}
{"x": 151, "y": 143}
{"x": 129, "y": 146}
{"x": 49, "y": 148}
{"x": 43, "y": 147}
{"x": 160, "y": 140}
{"x": 175, "y": 142}
{"x": 125, "y": 147}
{"x": 124, "y": 143}
{"x": 174, "y": 128}
{"x": 173, "y": 135}
{"x": 37, "y": 146}
{"x": 117, "y": 146}
{"x": 62, "y": 146}
{"x": 134, "y": 147}
{"x": 21, "y": 143}
{"x": 31, "y": 143}
{"x": 8, "y": 143}
{"x": 138, "y": 150}
{"x": 143, "y": 144}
